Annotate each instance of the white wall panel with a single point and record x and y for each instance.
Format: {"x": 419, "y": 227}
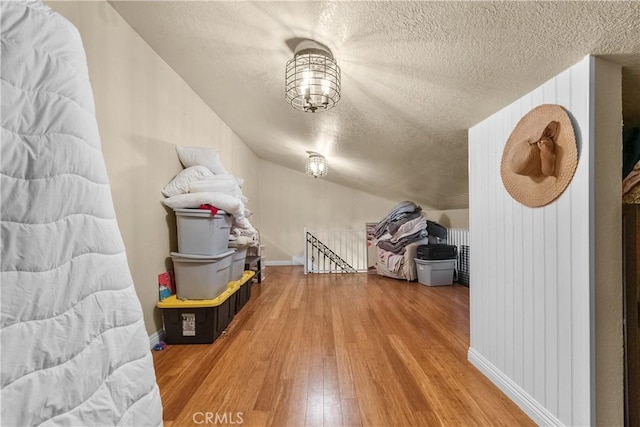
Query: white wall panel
{"x": 536, "y": 272}
{"x": 530, "y": 299}
{"x": 563, "y": 281}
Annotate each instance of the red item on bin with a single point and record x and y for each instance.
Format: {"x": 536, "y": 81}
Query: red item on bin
{"x": 168, "y": 281}
{"x": 208, "y": 207}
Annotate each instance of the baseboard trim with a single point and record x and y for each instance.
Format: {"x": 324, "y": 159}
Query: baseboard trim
{"x": 538, "y": 413}
{"x": 277, "y": 263}
{"x": 156, "y": 337}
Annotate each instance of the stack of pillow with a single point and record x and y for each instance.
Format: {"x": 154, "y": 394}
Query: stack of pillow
{"x": 205, "y": 181}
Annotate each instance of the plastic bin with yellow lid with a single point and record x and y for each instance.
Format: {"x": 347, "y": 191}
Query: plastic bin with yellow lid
{"x": 174, "y": 302}
{"x": 200, "y": 321}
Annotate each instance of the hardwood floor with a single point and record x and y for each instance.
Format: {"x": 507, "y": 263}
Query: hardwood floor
{"x": 335, "y": 350}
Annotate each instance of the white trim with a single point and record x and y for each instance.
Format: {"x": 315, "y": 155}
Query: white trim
{"x": 297, "y": 260}
{"x": 538, "y": 413}
{"x": 276, "y": 263}
{"x": 156, "y": 337}
{"x": 305, "y": 261}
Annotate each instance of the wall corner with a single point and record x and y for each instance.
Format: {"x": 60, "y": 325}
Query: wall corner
{"x": 608, "y": 302}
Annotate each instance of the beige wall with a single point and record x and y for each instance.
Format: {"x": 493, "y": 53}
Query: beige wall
{"x": 291, "y": 201}
{"x": 144, "y": 110}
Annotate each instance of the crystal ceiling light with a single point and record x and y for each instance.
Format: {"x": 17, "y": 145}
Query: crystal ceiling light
{"x": 316, "y": 165}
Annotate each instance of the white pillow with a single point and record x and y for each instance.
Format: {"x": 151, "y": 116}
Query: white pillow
{"x": 194, "y": 156}
{"x": 229, "y": 204}
{"x": 217, "y": 183}
{"x": 180, "y": 183}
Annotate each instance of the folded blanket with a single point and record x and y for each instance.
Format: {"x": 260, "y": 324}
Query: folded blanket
{"x": 395, "y": 225}
{"x": 399, "y": 246}
{"x": 410, "y": 228}
{"x": 241, "y": 242}
{"x": 399, "y": 266}
{"x": 401, "y": 210}
{"x": 242, "y": 227}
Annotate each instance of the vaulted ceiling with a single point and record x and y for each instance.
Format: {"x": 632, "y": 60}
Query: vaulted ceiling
{"x": 415, "y": 76}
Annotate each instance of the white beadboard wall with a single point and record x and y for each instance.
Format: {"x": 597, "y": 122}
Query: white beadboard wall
{"x": 532, "y": 270}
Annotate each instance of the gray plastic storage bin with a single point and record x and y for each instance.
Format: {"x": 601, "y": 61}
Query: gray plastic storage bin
{"x": 201, "y": 233}
{"x": 435, "y": 273}
{"x": 237, "y": 264}
{"x": 201, "y": 277}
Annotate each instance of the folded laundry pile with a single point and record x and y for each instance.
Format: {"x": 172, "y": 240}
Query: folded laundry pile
{"x": 205, "y": 181}
{"x": 397, "y": 237}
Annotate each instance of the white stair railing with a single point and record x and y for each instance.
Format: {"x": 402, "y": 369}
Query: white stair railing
{"x": 460, "y": 238}
{"x": 336, "y": 251}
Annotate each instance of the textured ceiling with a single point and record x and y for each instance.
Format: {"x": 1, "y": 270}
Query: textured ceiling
{"x": 415, "y": 76}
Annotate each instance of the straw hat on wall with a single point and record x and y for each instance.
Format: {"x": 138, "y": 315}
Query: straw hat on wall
{"x": 540, "y": 156}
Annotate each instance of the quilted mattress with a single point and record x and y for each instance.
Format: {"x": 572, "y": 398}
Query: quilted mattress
{"x": 73, "y": 342}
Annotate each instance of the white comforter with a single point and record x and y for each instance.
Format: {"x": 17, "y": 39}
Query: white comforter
{"x": 74, "y": 347}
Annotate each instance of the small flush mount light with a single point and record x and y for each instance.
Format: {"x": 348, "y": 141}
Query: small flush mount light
{"x": 316, "y": 165}
{"x": 312, "y": 78}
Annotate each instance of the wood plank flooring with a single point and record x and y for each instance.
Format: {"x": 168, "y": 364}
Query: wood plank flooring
{"x": 336, "y": 350}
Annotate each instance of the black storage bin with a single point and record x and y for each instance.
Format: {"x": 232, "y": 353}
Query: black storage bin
{"x": 437, "y": 252}
{"x": 190, "y": 325}
{"x": 226, "y": 312}
{"x": 244, "y": 295}
{"x": 197, "y": 321}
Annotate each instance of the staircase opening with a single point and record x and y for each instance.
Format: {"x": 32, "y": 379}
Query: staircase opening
{"x": 339, "y": 251}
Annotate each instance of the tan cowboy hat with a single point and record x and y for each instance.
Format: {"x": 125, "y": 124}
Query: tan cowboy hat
{"x": 540, "y": 156}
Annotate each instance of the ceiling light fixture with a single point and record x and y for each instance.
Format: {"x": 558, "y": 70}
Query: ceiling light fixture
{"x": 312, "y": 78}
{"x": 316, "y": 165}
